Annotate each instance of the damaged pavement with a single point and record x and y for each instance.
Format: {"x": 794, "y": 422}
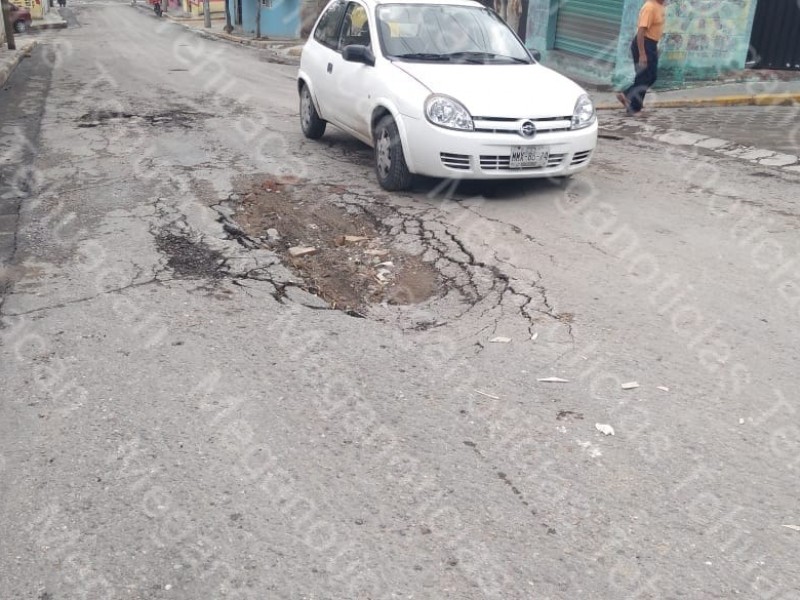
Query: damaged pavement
{"x": 234, "y": 367}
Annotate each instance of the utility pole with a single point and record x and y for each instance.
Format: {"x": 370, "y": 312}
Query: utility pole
{"x": 7, "y": 25}
{"x": 228, "y": 26}
{"x": 206, "y": 14}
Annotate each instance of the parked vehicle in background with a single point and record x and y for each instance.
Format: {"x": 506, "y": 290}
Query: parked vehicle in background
{"x": 20, "y": 18}
{"x": 442, "y": 89}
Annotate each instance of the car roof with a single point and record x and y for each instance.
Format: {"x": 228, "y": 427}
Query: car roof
{"x": 442, "y": 2}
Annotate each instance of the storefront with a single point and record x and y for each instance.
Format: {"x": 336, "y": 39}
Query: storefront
{"x": 275, "y": 19}
{"x": 589, "y": 27}
{"x": 775, "y": 43}
{"x": 590, "y": 39}
{"x": 195, "y": 7}
{"x": 37, "y": 7}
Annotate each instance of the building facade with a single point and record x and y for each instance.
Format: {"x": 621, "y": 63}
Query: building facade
{"x": 195, "y": 7}
{"x": 590, "y": 39}
{"x": 275, "y": 19}
{"x": 38, "y": 8}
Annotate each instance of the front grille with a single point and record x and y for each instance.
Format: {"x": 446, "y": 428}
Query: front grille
{"x": 502, "y": 163}
{"x": 455, "y": 161}
{"x": 581, "y": 157}
{"x": 508, "y": 125}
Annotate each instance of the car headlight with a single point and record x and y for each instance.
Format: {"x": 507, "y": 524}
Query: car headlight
{"x": 447, "y": 112}
{"x": 583, "y": 115}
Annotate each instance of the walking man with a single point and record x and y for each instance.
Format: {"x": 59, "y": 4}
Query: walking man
{"x": 644, "y": 48}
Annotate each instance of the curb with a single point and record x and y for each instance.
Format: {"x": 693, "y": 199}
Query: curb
{"x": 786, "y": 163}
{"x": 7, "y": 69}
{"x": 288, "y": 53}
{"x": 784, "y": 99}
{"x": 42, "y": 26}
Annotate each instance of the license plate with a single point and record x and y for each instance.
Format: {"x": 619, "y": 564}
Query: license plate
{"x": 529, "y": 157}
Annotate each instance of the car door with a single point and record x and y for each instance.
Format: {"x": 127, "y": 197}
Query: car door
{"x": 321, "y": 54}
{"x": 354, "y": 81}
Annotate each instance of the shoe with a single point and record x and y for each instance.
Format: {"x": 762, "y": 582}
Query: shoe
{"x": 623, "y": 99}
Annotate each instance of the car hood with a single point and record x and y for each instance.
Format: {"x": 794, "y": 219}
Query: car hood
{"x": 510, "y": 91}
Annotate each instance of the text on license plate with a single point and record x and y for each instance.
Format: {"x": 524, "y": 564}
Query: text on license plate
{"x": 529, "y": 157}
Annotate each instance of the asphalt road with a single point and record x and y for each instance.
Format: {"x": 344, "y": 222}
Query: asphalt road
{"x": 172, "y": 431}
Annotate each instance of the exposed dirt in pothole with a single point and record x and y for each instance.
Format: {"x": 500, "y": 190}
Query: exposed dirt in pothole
{"x": 170, "y": 118}
{"x": 340, "y": 252}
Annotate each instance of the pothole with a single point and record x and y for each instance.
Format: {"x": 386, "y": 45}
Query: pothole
{"x": 190, "y": 259}
{"x": 341, "y": 253}
{"x": 170, "y": 118}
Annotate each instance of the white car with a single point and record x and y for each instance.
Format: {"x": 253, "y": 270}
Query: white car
{"x": 441, "y": 88}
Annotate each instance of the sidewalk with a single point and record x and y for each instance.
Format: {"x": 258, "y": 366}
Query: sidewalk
{"x": 51, "y": 20}
{"x": 9, "y": 59}
{"x": 750, "y": 93}
{"x": 286, "y": 51}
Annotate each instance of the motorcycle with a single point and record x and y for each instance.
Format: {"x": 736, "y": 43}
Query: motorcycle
{"x": 62, "y": 3}
{"x": 156, "y": 7}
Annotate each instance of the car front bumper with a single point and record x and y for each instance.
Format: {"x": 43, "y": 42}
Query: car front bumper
{"x": 439, "y": 152}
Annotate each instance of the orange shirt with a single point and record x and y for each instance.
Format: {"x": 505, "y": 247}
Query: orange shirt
{"x": 652, "y": 18}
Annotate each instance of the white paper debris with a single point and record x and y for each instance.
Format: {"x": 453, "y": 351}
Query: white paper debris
{"x": 741, "y": 421}
{"x": 604, "y": 429}
{"x": 534, "y": 336}
{"x": 552, "y": 380}
{"x": 631, "y": 385}
{"x": 663, "y": 388}
{"x": 487, "y": 395}
{"x": 795, "y": 527}
{"x": 500, "y": 340}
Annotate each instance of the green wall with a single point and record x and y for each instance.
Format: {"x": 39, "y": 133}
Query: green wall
{"x": 702, "y": 40}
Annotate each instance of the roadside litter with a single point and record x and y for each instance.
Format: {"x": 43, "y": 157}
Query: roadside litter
{"x": 604, "y": 429}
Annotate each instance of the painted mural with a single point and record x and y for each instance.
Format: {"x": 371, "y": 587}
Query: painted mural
{"x": 702, "y": 40}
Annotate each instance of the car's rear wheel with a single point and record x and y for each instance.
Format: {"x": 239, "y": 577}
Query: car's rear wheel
{"x": 313, "y": 127}
{"x": 390, "y": 162}
{"x": 21, "y": 26}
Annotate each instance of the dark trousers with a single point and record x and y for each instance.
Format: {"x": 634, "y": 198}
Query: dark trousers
{"x": 645, "y": 78}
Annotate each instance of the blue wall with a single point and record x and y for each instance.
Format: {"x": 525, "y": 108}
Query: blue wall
{"x": 280, "y": 21}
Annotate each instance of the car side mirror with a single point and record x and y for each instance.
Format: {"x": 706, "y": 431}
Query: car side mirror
{"x": 537, "y": 56}
{"x": 359, "y": 54}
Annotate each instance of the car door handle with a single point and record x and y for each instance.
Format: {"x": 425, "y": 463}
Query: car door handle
{"x": 330, "y": 67}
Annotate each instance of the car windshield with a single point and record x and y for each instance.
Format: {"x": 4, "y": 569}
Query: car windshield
{"x": 447, "y": 34}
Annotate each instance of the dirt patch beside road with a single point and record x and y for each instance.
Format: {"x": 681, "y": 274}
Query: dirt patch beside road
{"x": 342, "y": 253}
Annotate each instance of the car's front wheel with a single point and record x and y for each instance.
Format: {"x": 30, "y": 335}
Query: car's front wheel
{"x": 21, "y": 26}
{"x": 390, "y": 162}
{"x": 313, "y": 127}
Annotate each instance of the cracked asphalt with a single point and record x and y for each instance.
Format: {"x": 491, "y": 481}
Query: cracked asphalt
{"x": 181, "y": 418}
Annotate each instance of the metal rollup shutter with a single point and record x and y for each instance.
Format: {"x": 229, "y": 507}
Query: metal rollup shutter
{"x": 775, "y": 42}
{"x": 589, "y": 27}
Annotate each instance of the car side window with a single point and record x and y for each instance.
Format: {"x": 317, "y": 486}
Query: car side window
{"x": 356, "y": 26}
{"x": 330, "y": 24}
